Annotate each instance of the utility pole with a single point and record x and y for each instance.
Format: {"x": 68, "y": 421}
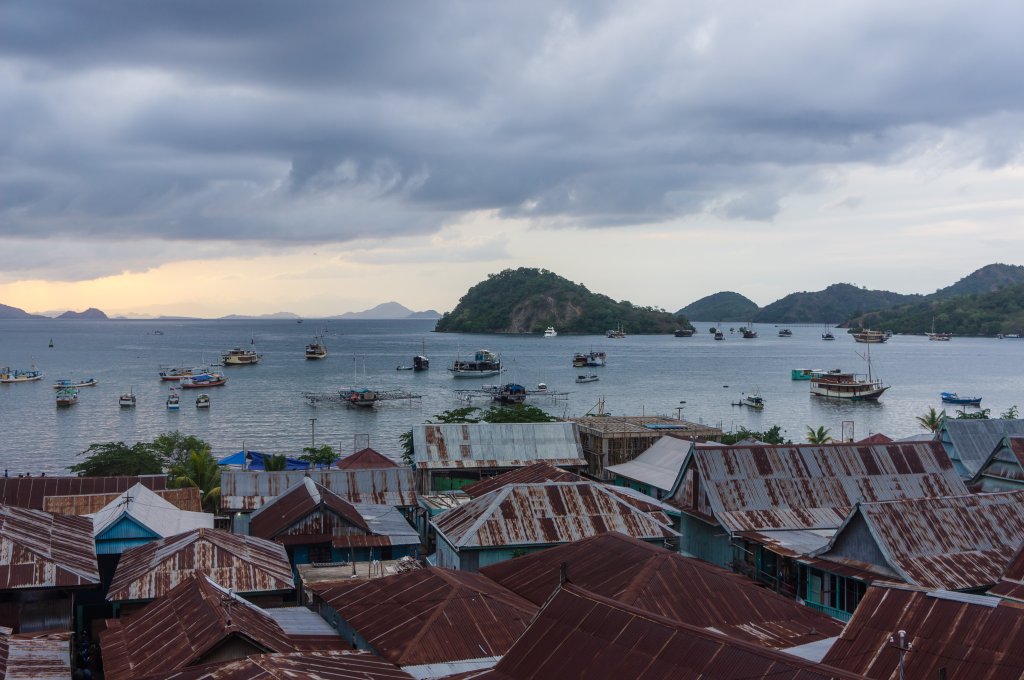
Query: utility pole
{"x": 901, "y": 645}
{"x": 312, "y": 437}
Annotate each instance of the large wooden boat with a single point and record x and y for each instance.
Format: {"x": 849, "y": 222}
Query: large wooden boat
{"x": 483, "y": 365}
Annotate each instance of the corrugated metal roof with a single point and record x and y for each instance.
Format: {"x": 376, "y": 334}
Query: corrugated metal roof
{"x": 791, "y": 542}
{"x": 191, "y": 621}
{"x": 347, "y": 665}
{"x": 187, "y": 498}
{"x": 495, "y": 445}
{"x": 578, "y": 634}
{"x": 35, "y": 656}
{"x": 950, "y": 543}
{"x": 29, "y": 492}
{"x": 969, "y": 639}
{"x": 970, "y": 441}
{"x": 42, "y": 550}
{"x": 387, "y": 521}
{"x": 151, "y": 511}
{"x": 1011, "y": 584}
{"x": 244, "y": 490}
{"x": 660, "y": 465}
{"x": 876, "y": 438}
{"x": 544, "y": 514}
{"x": 365, "y": 459}
{"x": 1004, "y": 466}
{"x": 535, "y": 473}
{"x": 285, "y": 512}
{"x": 244, "y": 564}
{"x": 667, "y": 584}
{"x": 429, "y": 615}
{"x": 814, "y": 486}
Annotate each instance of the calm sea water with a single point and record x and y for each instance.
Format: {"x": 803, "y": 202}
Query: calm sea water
{"x": 262, "y": 407}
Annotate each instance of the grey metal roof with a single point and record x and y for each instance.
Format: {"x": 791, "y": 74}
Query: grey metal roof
{"x": 386, "y": 520}
{"x": 660, "y": 465}
{"x": 475, "y": 445}
{"x": 151, "y": 511}
{"x": 969, "y": 442}
{"x": 544, "y": 514}
{"x": 246, "y": 490}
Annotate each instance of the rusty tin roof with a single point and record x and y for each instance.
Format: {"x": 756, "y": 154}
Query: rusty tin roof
{"x": 753, "y": 488}
{"x": 578, "y": 634}
{"x": 245, "y": 564}
{"x": 30, "y": 492}
{"x": 970, "y": 441}
{"x": 496, "y": 445}
{"x": 189, "y": 623}
{"x": 187, "y": 498}
{"x": 42, "y": 550}
{"x": 346, "y": 665}
{"x": 297, "y": 503}
{"x": 429, "y": 615}
{"x": 535, "y": 473}
{"x": 544, "y": 514}
{"x": 950, "y": 543}
{"x": 972, "y": 637}
{"x": 1011, "y": 584}
{"x": 365, "y": 459}
{"x": 248, "y": 490}
{"x": 35, "y": 656}
{"x": 667, "y": 584}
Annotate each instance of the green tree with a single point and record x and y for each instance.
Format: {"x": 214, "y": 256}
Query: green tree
{"x": 820, "y": 436}
{"x": 174, "y": 447}
{"x": 200, "y": 470}
{"x": 319, "y": 456}
{"x": 772, "y": 435}
{"x": 517, "y": 413}
{"x": 117, "y": 458}
{"x": 408, "y": 453}
{"x": 980, "y": 414}
{"x": 275, "y": 462}
{"x": 458, "y": 415}
{"x": 932, "y": 419}
{"x": 1010, "y": 413}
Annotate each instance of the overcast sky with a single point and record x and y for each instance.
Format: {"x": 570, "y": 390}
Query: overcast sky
{"x": 322, "y": 157}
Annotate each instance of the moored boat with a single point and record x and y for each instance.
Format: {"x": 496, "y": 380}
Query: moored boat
{"x": 840, "y": 385}
{"x": 871, "y": 337}
{"x": 240, "y": 357}
{"x": 954, "y": 398}
{"x": 550, "y": 332}
{"x": 126, "y": 400}
{"x": 591, "y": 358}
{"x": 203, "y": 401}
{"x": 748, "y": 332}
{"x": 719, "y": 335}
{"x": 754, "y": 401}
{"x": 684, "y": 332}
{"x": 316, "y": 349}
{"x": 509, "y": 393}
{"x": 420, "y": 363}
{"x": 67, "y": 396}
{"x": 804, "y": 373}
{"x": 173, "y": 400}
{"x": 174, "y": 373}
{"x": 616, "y": 333}
{"x": 785, "y": 333}
{"x": 10, "y": 376}
{"x": 362, "y": 397}
{"x": 483, "y": 365}
{"x": 586, "y": 378}
{"x": 199, "y": 380}
{"x": 62, "y": 384}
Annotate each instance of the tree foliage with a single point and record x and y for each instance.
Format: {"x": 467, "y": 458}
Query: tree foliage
{"x": 1010, "y": 413}
{"x": 199, "y": 469}
{"x": 821, "y": 435}
{"x": 319, "y": 456}
{"x": 275, "y": 462}
{"x": 980, "y": 414}
{"x": 117, "y": 458}
{"x": 773, "y": 435}
{"x": 988, "y": 313}
{"x": 174, "y": 447}
{"x": 932, "y": 419}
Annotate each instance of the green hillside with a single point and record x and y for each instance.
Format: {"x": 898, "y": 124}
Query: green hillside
{"x": 724, "y": 306}
{"x": 988, "y": 279}
{"x": 838, "y": 302}
{"x": 529, "y": 300}
{"x": 981, "y": 314}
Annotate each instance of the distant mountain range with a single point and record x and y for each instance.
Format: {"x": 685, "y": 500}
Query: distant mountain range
{"x": 8, "y": 312}
{"x": 389, "y": 310}
{"x": 275, "y": 315}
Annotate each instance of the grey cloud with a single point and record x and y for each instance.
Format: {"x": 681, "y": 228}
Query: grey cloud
{"x": 276, "y": 123}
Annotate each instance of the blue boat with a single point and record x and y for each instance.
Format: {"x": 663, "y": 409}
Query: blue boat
{"x": 954, "y": 398}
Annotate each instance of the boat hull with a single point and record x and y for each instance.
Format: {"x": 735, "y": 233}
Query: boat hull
{"x": 486, "y": 373}
{"x": 848, "y": 392}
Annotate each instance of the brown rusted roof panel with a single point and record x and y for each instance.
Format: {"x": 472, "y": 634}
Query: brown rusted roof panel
{"x": 365, "y": 459}
{"x": 668, "y": 584}
{"x": 582, "y": 635}
{"x": 537, "y": 473}
{"x": 35, "y": 656}
{"x": 347, "y": 665}
{"x": 248, "y": 490}
{"x": 187, "y": 498}
{"x": 29, "y": 492}
{"x": 244, "y": 564}
{"x": 43, "y": 550}
{"x": 970, "y": 636}
{"x": 430, "y": 615}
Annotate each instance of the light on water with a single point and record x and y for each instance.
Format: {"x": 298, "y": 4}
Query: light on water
{"x": 262, "y": 407}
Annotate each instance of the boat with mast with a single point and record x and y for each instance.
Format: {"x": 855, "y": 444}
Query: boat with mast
{"x": 127, "y": 400}
{"x": 484, "y": 364}
{"x": 871, "y": 337}
{"x": 827, "y": 335}
{"x": 940, "y": 337}
{"x": 316, "y": 349}
{"x": 67, "y": 396}
{"x": 10, "y": 376}
{"x": 837, "y": 384}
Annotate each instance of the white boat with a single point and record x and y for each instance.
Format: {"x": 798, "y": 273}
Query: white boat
{"x": 175, "y": 373}
{"x": 10, "y": 376}
{"x": 360, "y": 397}
{"x": 550, "y": 332}
{"x": 316, "y": 349}
{"x": 126, "y": 400}
{"x": 837, "y": 384}
{"x": 616, "y": 333}
{"x": 485, "y": 364}
{"x": 587, "y": 378}
{"x": 173, "y": 400}
{"x": 203, "y": 401}
{"x": 240, "y": 357}
{"x": 754, "y": 401}
{"x": 88, "y": 382}
{"x": 67, "y": 396}
{"x": 871, "y": 337}
{"x": 939, "y": 337}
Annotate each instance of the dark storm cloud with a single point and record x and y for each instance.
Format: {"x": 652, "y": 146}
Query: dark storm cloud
{"x": 315, "y": 122}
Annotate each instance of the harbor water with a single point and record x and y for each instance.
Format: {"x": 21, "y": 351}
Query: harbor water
{"x": 262, "y": 407}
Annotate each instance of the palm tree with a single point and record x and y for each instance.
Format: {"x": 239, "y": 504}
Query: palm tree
{"x": 275, "y": 462}
{"x": 932, "y": 420}
{"x": 200, "y": 470}
{"x": 819, "y": 436}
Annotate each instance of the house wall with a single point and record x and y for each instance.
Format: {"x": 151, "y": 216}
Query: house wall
{"x": 124, "y": 534}
{"x": 707, "y": 542}
{"x": 338, "y": 622}
{"x": 1003, "y": 473}
{"x": 235, "y": 647}
{"x": 855, "y": 542}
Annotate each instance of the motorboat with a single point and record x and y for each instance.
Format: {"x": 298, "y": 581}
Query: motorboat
{"x": 126, "y": 400}
{"x": 420, "y": 363}
{"x": 173, "y": 400}
{"x": 827, "y": 335}
{"x": 592, "y": 358}
{"x": 684, "y": 332}
{"x": 748, "y": 332}
{"x": 67, "y": 396}
{"x": 62, "y": 384}
{"x": 483, "y": 365}
{"x": 719, "y": 335}
{"x": 240, "y": 357}
{"x": 10, "y": 376}
{"x": 616, "y": 333}
{"x": 954, "y": 398}
{"x": 360, "y": 397}
{"x": 838, "y": 384}
{"x": 200, "y": 380}
{"x": 550, "y": 332}
{"x": 174, "y": 373}
{"x": 509, "y": 393}
{"x": 871, "y": 337}
{"x": 785, "y": 333}
{"x": 316, "y": 350}
{"x": 586, "y": 378}
{"x": 804, "y": 373}
{"x": 754, "y": 401}
{"x": 203, "y": 401}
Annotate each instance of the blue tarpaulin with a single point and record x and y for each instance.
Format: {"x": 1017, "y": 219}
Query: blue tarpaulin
{"x": 253, "y": 460}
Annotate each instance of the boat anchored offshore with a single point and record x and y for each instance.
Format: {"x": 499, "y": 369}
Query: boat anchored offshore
{"x": 483, "y": 365}
{"x": 616, "y": 333}
{"x": 200, "y": 380}
{"x": 62, "y": 384}
{"x": 550, "y": 332}
{"x": 174, "y": 373}
{"x": 785, "y": 333}
{"x": 871, "y": 337}
{"x": 67, "y": 396}
{"x": 837, "y": 384}
{"x": 203, "y": 401}
{"x": 127, "y": 400}
{"x": 684, "y": 333}
{"x": 316, "y": 349}
{"x": 240, "y": 357}
{"x": 579, "y": 360}
{"x": 509, "y": 393}
{"x": 586, "y": 378}
{"x": 754, "y": 401}
{"x": 173, "y": 400}
{"x": 804, "y": 373}
{"x": 360, "y": 397}
{"x": 954, "y": 398}
{"x": 9, "y": 376}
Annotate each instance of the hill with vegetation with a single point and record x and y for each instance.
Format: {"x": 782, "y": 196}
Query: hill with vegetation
{"x": 1001, "y": 311}
{"x": 91, "y": 313}
{"x": 527, "y": 300}
{"x": 724, "y": 306}
{"x": 988, "y": 279}
{"x": 837, "y": 302}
